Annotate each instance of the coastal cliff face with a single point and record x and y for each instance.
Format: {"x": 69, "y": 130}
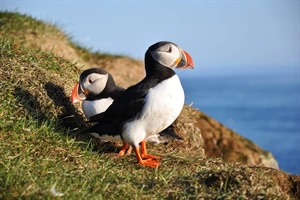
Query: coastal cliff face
{"x": 220, "y": 141}
{"x": 220, "y": 155}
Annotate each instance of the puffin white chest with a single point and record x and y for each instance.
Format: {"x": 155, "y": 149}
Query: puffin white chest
{"x": 163, "y": 104}
{"x": 91, "y": 108}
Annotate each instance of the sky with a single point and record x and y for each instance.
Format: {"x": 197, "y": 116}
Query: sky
{"x": 223, "y": 37}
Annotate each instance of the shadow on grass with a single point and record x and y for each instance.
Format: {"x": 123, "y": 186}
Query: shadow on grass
{"x": 69, "y": 118}
{"x": 28, "y": 101}
{"x": 68, "y": 121}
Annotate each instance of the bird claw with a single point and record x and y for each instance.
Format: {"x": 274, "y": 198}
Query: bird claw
{"x": 129, "y": 150}
{"x": 150, "y": 157}
{"x": 120, "y": 154}
{"x": 150, "y": 163}
{"x": 125, "y": 149}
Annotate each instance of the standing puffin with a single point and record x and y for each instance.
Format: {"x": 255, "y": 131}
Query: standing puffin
{"x": 97, "y": 90}
{"x": 151, "y": 105}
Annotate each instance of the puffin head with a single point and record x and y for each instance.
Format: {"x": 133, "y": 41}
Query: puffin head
{"x": 91, "y": 83}
{"x": 169, "y": 55}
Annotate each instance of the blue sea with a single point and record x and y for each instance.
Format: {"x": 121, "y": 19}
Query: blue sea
{"x": 264, "y": 109}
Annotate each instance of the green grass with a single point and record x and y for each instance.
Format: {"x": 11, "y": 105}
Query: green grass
{"x": 42, "y": 157}
{"x": 30, "y": 32}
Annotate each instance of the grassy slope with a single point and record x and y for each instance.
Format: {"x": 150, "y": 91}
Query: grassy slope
{"x": 41, "y": 156}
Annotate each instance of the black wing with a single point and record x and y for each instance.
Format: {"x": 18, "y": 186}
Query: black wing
{"x": 101, "y": 129}
{"x": 129, "y": 104}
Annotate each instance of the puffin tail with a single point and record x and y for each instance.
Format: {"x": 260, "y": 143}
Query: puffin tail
{"x": 170, "y": 133}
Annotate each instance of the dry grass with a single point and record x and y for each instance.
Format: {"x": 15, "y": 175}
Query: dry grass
{"x": 41, "y": 157}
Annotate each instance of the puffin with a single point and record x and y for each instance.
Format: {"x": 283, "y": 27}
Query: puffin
{"x": 151, "y": 105}
{"x": 97, "y": 90}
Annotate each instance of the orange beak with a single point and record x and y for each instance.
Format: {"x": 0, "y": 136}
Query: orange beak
{"x": 75, "y": 96}
{"x": 186, "y": 61}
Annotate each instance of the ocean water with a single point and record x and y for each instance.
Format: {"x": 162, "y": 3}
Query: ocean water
{"x": 264, "y": 109}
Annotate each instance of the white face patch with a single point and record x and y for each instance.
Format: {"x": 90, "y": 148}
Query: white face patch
{"x": 94, "y": 83}
{"x": 166, "y": 55}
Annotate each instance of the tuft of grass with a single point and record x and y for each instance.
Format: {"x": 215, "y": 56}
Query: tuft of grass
{"x": 24, "y": 29}
{"x": 42, "y": 157}
{"x": 29, "y": 32}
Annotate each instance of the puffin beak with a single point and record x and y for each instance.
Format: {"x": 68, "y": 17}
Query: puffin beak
{"x": 77, "y": 95}
{"x": 186, "y": 61}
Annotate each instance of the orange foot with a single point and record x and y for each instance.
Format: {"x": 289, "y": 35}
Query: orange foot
{"x": 149, "y": 163}
{"x": 129, "y": 150}
{"x": 145, "y": 155}
{"x": 123, "y": 150}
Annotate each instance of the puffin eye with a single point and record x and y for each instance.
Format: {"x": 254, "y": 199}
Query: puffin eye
{"x": 90, "y": 81}
{"x": 170, "y": 49}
